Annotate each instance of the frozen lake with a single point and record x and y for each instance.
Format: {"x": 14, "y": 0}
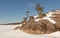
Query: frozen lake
{"x": 6, "y": 31}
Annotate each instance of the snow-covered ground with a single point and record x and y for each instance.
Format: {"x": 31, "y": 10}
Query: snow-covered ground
{"x": 6, "y": 31}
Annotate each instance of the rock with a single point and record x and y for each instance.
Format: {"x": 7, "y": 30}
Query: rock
{"x": 57, "y": 19}
{"x": 42, "y": 26}
{"x": 48, "y": 26}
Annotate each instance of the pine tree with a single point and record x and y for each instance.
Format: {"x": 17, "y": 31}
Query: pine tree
{"x": 26, "y": 18}
{"x": 27, "y": 14}
{"x": 39, "y": 8}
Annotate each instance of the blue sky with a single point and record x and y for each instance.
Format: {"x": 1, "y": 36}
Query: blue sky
{"x": 14, "y": 10}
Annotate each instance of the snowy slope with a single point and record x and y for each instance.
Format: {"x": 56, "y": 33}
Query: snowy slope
{"x": 47, "y": 17}
{"x": 7, "y": 32}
